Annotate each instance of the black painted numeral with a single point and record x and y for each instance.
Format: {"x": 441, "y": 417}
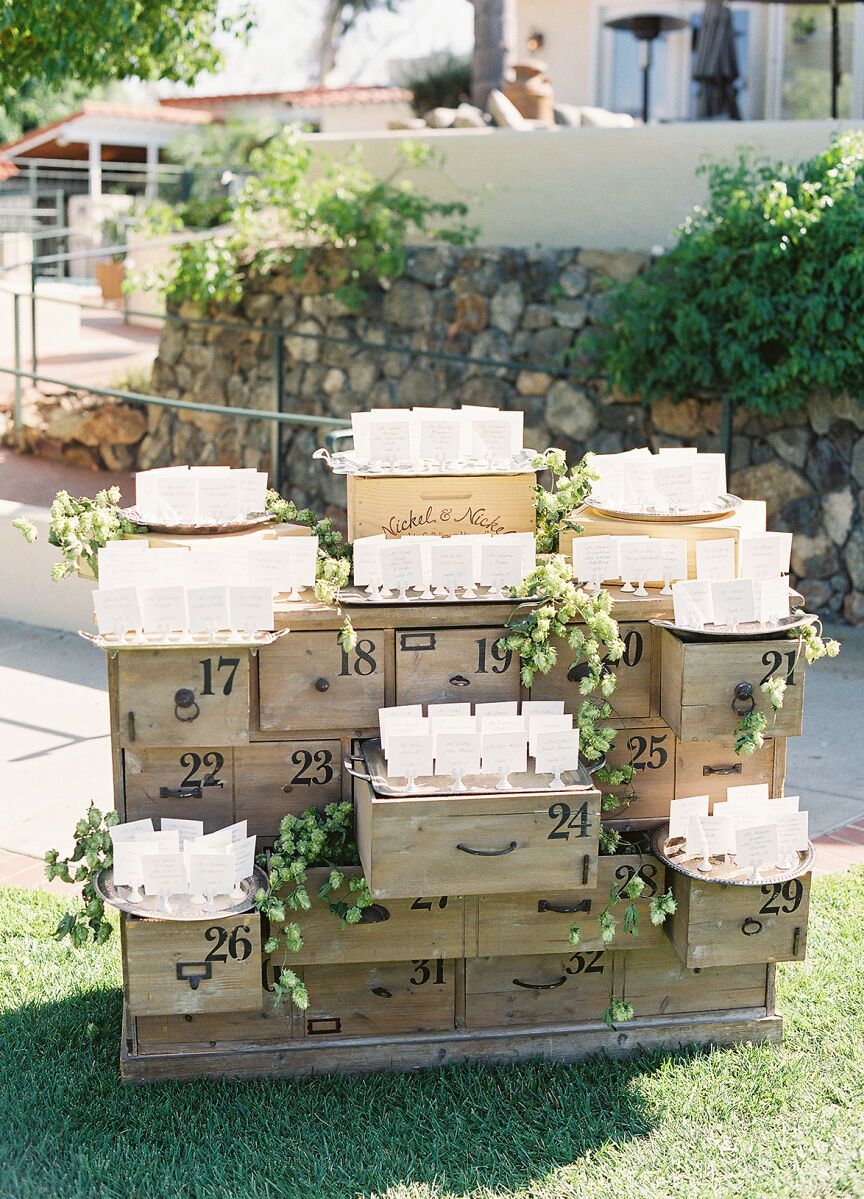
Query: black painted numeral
{"x": 193, "y": 762}
{"x": 568, "y": 821}
{"x": 425, "y": 905}
{"x": 503, "y": 657}
{"x": 791, "y": 891}
{"x": 647, "y": 872}
{"x": 364, "y": 662}
{"x": 586, "y": 963}
{"x": 238, "y": 948}
{"x": 306, "y": 759}
{"x": 639, "y": 747}
{"x": 230, "y": 664}
{"x": 773, "y": 658}
{"x": 424, "y": 972}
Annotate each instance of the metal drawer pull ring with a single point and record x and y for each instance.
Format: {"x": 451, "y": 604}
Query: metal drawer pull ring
{"x": 185, "y": 699}
{"x": 487, "y": 853}
{"x": 743, "y": 701}
{"x": 518, "y": 982}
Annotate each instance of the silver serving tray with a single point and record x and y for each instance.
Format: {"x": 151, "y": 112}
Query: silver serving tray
{"x": 724, "y": 505}
{"x": 754, "y": 630}
{"x": 223, "y": 640}
{"x": 724, "y": 874}
{"x": 357, "y": 596}
{"x": 254, "y": 520}
{"x": 348, "y": 463}
{"x": 372, "y": 757}
{"x": 181, "y": 906}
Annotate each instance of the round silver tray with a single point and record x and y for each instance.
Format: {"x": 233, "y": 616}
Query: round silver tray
{"x": 755, "y": 630}
{"x": 254, "y": 520}
{"x": 723, "y": 871}
{"x": 357, "y": 596}
{"x": 181, "y": 906}
{"x": 347, "y": 463}
{"x": 724, "y": 505}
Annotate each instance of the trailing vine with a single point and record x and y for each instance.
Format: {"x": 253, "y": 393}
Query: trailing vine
{"x": 91, "y": 854}
{"x": 314, "y": 838}
{"x": 80, "y": 528}
{"x": 750, "y": 731}
{"x": 568, "y": 492}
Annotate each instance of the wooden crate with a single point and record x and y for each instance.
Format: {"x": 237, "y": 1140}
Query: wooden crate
{"x": 241, "y": 539}
{"x": 733, "y": 926}
{"x": 658, "y": 984}
{"x": 443, "y": 665}
{"x": 540, "y": 922}
{"x": 308, "y": 683}
{"x": 709, "y": 767}
{"x": 470, "y": 845}
{"x": 381, "y": 998}
{"x": 186, "y": 783}
{"x": 183, "y": 697}
{"x": 651, "y": 752}
{"x": 747, "y": 521}
{"x": 444, "y": 505}
{"x": 537, "y": 989}
{"x": 277, "y": 777}
{"x": 633, "y": 695}
{"x": 174, "y": 968}
{"x": 698, "y": 682}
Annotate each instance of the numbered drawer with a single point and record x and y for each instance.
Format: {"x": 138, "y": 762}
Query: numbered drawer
{"x": 273, "y": 778}
{"x": 477, "y": 845}
{"x": 651, "y": 753}
{"x": 542, "y": 921}
{"x": 183, "y": 697}
{"x": 427, "y": 926}
{"x": 732, "y": 926}
{"x": 709, "y": 767}
{"x": 381, "y": 999}
{"x": 189, "y": 784}
{"x": 632, "y": 695}
{"x": 307, "y": 681}
{"x": 441, "y": 665}
{"x": 706, "y": 687}
{"x": 192, "y": 967}
{"x": 568, "y": 988}
{"x": 269, "y": 1024}
{"x": 658, "y": 984}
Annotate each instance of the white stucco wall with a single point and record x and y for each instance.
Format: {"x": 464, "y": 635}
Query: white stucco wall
{"x": 602, "y": 188}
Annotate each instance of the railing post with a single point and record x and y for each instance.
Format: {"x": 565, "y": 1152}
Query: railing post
{"x": 18, "y": 410}
{"x": 276, "y": 465}
{"x": 726, "y": 435}
{"x": 33, "y": 355}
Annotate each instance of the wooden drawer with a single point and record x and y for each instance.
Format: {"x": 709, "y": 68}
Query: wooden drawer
{"x": 466, "y": 845}
{"x": 440, "y": 504}
{"x": 709, "y": 767}
{"x": 306, "y": 681}
{"x": 192, "y": 967}
{"x": 632, "y": 695}
{"x": 732, "y": 926}
{"x": 183, "y": 696}
{"x": 436, "y": 666}
{"x": 541, "y": 922}
{"x": 189, "y": 784}
{"x": 657, "y": 984}
{"x": 555, "y": 988}
{"x": 651, "y": 752}
{"x": 427, "y": 926}
{"x": 698, "y": 684}
{"x": 273, "y": 778}
{"x": 269, "y": 1024}
{"x": 381, "y": 999}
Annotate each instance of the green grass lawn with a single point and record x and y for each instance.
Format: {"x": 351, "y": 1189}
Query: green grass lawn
{"x": 751, "y": 1121}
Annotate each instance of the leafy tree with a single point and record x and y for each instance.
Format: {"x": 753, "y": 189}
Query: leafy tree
{"x": 33, "y": 105}
{"x": 213, "y": 156}
{"x": 443, "y": 84}
{"x": 762, "y": 298}
{"x": 95, "y": 41}
{"x": 340, "y": 17}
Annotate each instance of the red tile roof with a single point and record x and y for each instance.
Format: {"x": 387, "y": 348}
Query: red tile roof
{"x": 103, "y": 108}
{"x": 311, "y": 97}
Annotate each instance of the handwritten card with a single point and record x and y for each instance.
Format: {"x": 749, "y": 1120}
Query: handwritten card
{"x": 772, "y": 600}
{"x": 500, "y": 707}
{"x": 124, "y": 564}
{"x": 132, "y": 830}
{"x": 513, "y": 725}
{"x": 117, "y": 610}
{"x": 639, "y": 560}
{"x": 207, "y": 608}
{"x": 267, "y": 565}
{"x": 251, "y": 487}
{"x": 410, "y": 755}
{"x": 556, "y": 750}
{"x": 500, "y": 564}
{"x": 439, "y": 436}
{"x": 163, "y": 609}
{"x": 387, "y": 716}
{"x": 715, "y": 836}
{"x": 749, "y": 793}
{"x": 402, "y": 565}
{"x": 785, "y": 805}
{"x": 205, "y": 567}
{"x": 542, "y": 707}
{"x": 390, "y": 438}
{"x": 793, "y": 835}
{"x": 302, "y": 556}
{"x": 715, "y": 559}
{"x": 186, "y": 830}
{"x": 217, "y": 497}
{"x": 250, "y": 608}
{"x": 210, "y": 874}
{"x": 411, "y": 726}
{"x": 165, "y": 874}
{"x": 681, "y": 810}
{"x": 243, "y": 853}
{"x": 496, "y": 438}
{"x": 673, "y": 559}
{"x": 546, "y": 723}
{"x": 674, "y": 485}
{"x": 734, "y": 602}
{"x": 640, "y": 472}
{"x": 360, "y": 425}
{"x": 502, "y": 753}
{"x": 595, "y": 559}
{"x": 448, "y": 712}
{"x": 457, "y": 753}
{"x": 709, "y": 478}
{"x": 692, "y": 602}
{"x": 757, "y": 846}
{"x": 127, "y": 857}
{"x": 452, "y": 564}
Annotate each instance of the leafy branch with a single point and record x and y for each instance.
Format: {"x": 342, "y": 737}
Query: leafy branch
{"x": 92, "y": 853}
{"x": 568, "y": 492}
{"x": 80, "y": 528}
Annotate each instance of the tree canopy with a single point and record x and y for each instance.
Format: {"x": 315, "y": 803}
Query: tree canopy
{"x": 97, "y": 41}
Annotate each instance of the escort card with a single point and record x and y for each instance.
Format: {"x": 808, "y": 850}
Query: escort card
{"x": 251, "y": 487}
{"x": 413, "y": 726}
{"x": 503, "y": 754}
{"x": 448, "y": 712}
{"x": 243, "y": 853}
{"x": 750, "y": 793}
{"x": 640, "y": 561}
{"x": 556, "y": 750}
{"x": 734, "y": 602}
{"x": 595, "y": 559}
{"x": 117, "y": 610}
{"x": 784, "y": 805}
{"x": 132, "y": 830}
{"x": 163, "y": 609}
{"x": 390, "y": 438}
{"x": 267, "y": 565}
{"x": 673, "y": 559}
{"x": 500, "y": 564}
{"x": 360, "y": 424}
{"x": 178, "y": 492}
{"x": 165, "y": 567}
{"x": 674, "y": 485}
{"x": 250, "y": 608}
{"x": 709, "y": 478}
{"x": 513, "y": 725}
{"x": 206, "y": 567}
{"x": 410, "y": 756}
{"x": 217, "y": 496}
{"x": 640, "y": 472}
{"x": 127, "y": 857}
{"x": 207, "y": 609}
{"x": 124, "y": 569}
{"x": 676, "y": 455}
{"x": 680, "y": 811}
{"x": 692, "y": 602}
{"x": 302, "y": 557}
{"x": 757, "y": 846}
{"x": 367, "y": 561}
{"x": 452, "y": 564}
{"x": 457, "y": 753}
{"x": 715, "y": 560}
{"x": 792, "y": 836}
{"x": 772, "y": 600}
{"x": 542, "y": 707}
{"x": 496, "y": 438}
{"x": 710, "y": 835}
{"x": 165, "y": 874}
{"x": 546, "y": 723}
{"x": 166, "y": 841}
{"x": 210, "y": 874}
{"x": 401, "y": 565}
{"x": 501, "y": 707}
{"x": 387, "y": 715}
{"x": 438, "y": 436}
{"x": 186, "y": 830}
{"x": 613, "y": 484}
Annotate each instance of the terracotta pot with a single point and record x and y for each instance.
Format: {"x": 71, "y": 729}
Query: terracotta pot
{"x": 531, "y": 92}
{"x": 109, "y": 276}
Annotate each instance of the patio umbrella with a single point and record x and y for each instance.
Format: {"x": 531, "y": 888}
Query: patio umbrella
{"x": 716, "y": 66}
{"x": 646, "y": 28}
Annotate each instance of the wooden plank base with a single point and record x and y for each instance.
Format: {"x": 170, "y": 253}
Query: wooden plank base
{"x": 358, "y": 1055}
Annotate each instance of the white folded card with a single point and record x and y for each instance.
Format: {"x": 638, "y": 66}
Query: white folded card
{"x": 243, "y": 853}
{"x": 784, "y": 805}
{"x": 639, "y": 560}
{"x": 680, "y": 811}
{"x": 715, "y": 559}
{"x": 443, "y": 712}
{"x": 757, "y": 846}
{"x": 675, "y": 455}
{"x": 390, "y": 438}
{"x": 542, "y": 707}
{"x": 716, "y": 835}
{"x": 673, "y": 559}
{"x": 452, "y": 564}
{"x": 500, "y": 564}
{"x": 127, "y": 857}
{"x": 595, "y": 559}
{"x": 514, "y": 725}
{"x": 496, "y": 438}
{"x": 167, "y": 841}
{"x": 217, "y": 497}
{"x": 124, "y": 564}
{"x": 165, "y": 874}
{"x": 556, "y": 750}
{"x": 207, "y": 609}
{"x": 186, "y": 830}
{"x": 457, "y": 753}
{"x": 401, "y": 565}
{"x": 302, "y": 556}
{"x": 267, "y": 566}
{"x": 251, "y": 487}
{"x": 546, "y": 722}
{"x": 210, "y": 874}
{"x": 360, "y": 424}
{"x": 409, "y": 726}
{"x": 385, "y": 715}
{"x": 163, "y": 609}
{"x": 749, "y": 793}
{"x": 205, "y": 567}
{"x": 501, "y": 707}
{"x": 502, "y": 753}
{"x": 132, "y": 830}
{"x": 438, "y": 435}
{"x": 761, "y": 557}
{"x": 692, "y": 602}
{"x": 674, "y": 484}
{"x": 117, "y": 610}
{"x": 410, "y": 755}
{"x": 709, "y": 478}
{"x": 250, "y": 608}
{"x": 367, "y": 560}
{"x": 792, "y": 835}
{"x": 734, "y": 602}
{"x": 640, "y": 472}
{"x": 772, "y": 599}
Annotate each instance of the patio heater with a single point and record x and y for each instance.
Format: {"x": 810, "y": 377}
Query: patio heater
{"x": 646, "y": 28}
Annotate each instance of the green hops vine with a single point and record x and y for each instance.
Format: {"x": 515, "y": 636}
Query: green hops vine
{"x": 91, "y": 854}
{"x": 618, "y": 1012}
{"x": 314, "y": 838}
{"x": 569, "y": 491}
{"x": 80, "y": 528}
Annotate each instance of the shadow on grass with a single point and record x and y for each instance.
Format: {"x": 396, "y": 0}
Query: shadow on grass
{"x": 71, "y": 1127}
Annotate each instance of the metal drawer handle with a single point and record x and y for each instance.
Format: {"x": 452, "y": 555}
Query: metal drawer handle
{"x": 382, "y": 992}
{"x": 736, "y": 769}
{"x": 487, "y": 853}
{"x": 366, "y": 778}
{"x": 459, "y": 680}
{"x": 376, "y": 913}
{"x": 743, "y": 700}
{"x": 518, "y": 982}
{"x": 180, "y": 793}
{"x": 184, "y": 700}
{"x": 584, "y": 905}
{"x": 322, "y": 685}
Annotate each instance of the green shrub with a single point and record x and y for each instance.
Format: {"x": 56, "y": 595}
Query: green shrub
{"x": 445, "y": 84}
{"x": 762, "y": 298}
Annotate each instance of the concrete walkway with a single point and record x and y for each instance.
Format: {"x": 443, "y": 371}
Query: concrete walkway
{"x": 55, "y": 748}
